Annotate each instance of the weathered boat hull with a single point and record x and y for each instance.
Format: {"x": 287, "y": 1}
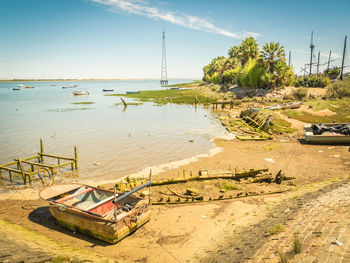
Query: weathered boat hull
{"x": 91, "y": 211}
{"x": 309, "y": 137}
{"x": 108, "y": 231}
{"x": 285, "y": 106}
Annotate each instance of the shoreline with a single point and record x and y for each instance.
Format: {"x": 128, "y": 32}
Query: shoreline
{"x": 93, "y": 79}
{"x": 158, "y": 169}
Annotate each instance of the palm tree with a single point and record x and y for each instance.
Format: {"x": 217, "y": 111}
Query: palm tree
{"x": 272, "y": 53}
{"x": 249, "y": 48}
{"x": 234, "y": 52}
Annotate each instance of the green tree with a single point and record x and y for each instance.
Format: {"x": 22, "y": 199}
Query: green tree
{"x": 272, "y": 53}
{"x": 249, "y": 48}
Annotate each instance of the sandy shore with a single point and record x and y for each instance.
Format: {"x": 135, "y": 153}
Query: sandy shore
{"x": 195, "y": 233}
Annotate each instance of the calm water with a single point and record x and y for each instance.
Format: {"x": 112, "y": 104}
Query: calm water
{"x": 122, "y": 142}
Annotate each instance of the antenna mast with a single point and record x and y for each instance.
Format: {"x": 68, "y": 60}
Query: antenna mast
{"x": 318, "y": 62}
{"x": 329, "y": 59}
{"x": 290, "y": 57}
{"x": 342, "y": 63}
{"x": 163, "y": 76}
{"x": 312, "y": 50}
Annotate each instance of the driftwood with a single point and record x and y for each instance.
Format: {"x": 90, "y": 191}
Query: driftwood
{"x": 185, "y": 196}
{"x": 279, "y": 178}
{"x": 232, "y": 176}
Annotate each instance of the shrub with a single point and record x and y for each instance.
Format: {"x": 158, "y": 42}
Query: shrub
{"x": 251, "y": 76}
{"x": 339, "y": 89}
{"x": 312, "y": 81}
{"x": 275, "y": 229}
{"x": 300, "y": 93}
{"x": 230, "y": 76}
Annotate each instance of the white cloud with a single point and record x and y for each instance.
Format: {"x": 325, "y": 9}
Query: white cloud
{"x": 143, "y": 9}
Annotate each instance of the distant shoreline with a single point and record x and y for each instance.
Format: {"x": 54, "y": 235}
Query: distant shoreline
{"x": 43, "y": 80}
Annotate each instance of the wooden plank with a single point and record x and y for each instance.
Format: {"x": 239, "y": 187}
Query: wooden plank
{"x": 64, "y": 164}
{"x": 7, "y": 164}
{"x": 22, "y": 171}
{"x": 56, "y": 156}
{"x": 10, "y": 169}
{"x": 40, "y": 164}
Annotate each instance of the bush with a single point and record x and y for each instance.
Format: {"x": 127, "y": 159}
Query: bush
{"x": 300, "y": 93}
{"x": 251, "y": 76}
{"x": 230, "y": 76}
{"x": 339, "y": 89}
{"x": 312, "y": 81}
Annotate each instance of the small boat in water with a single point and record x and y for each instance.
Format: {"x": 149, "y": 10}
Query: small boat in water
{"x": 283, "y": 106}
{"x": 99, "y": 213}
{"x": 132, "y": 92}
{"x": 16, "y": 88}
{"x": 29, "y": 87}
{"x": 107, "y": 90}
{"x": 327, "y": 133}
{"x": 80, "y": 92}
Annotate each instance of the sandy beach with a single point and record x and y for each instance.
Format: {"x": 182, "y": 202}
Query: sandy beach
{"x": 198, "y": 232}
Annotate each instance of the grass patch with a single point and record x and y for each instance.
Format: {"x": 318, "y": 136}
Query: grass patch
{"x": 281, "y": 126}
{"x": 296, "y": 245}
{"x": 162, "y": 97}
{"x": 83, "y": 102}
{"x": 186, "y": 85}
{"x": 340, "y": 106}
{"x": 275, "y": 229}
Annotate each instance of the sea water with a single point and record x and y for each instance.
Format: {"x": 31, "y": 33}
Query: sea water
{"x": 111, "y": 141}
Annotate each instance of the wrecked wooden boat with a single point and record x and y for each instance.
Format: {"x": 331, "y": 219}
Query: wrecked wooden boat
{"x": 327, "y": 133}
{"x": 102, "y": 214}
{"x": 283, "y": 106}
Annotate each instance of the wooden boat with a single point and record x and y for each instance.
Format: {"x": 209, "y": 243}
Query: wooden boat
{"x": 29, "y": 87}
{"x": 283, "y": 106}
{"x": 80, "y": 92}
{"x": 69, "y": 87}
{"x": 327, "y": 137}
{"x": 99, "y": 213}
{"x": 16, "y": 88}
{"x": 107, "y": 90}
{"x": 132, "y": 92}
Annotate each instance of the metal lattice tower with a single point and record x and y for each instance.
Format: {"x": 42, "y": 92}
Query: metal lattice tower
{"x": 164, "y": 77}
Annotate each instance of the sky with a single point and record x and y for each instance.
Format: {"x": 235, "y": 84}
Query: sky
{"x": 123, "y": 38}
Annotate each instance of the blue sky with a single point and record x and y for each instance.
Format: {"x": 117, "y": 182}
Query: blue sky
{"x": 122, "y": 38}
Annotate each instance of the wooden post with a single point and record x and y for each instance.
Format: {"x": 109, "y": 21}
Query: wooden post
{"x": 231, "y": 104}
{"x": 41, "y": 150}
{"x": 150, "y": 179}
{"x": 10, "y": 174}
{"x": 75, "y": 157}
{"x": 22, "y": 171}
{"x": 123, "y": 101}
